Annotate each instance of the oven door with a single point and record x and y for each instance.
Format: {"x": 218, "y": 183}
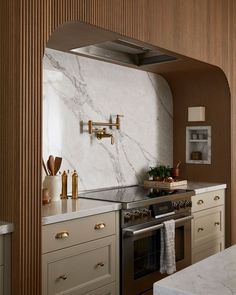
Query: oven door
{"x": 141, "y": 255}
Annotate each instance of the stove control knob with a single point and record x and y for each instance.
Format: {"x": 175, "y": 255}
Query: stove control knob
{"x": 137, "y": 214}
{"x": 128, "y": 216}
{"x": 182, "y": 204}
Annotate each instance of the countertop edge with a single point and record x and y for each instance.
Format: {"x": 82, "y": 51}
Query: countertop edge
{"x": 80, "y": 214}
{"x": 209, "y": 189}
{"x": 6, "y": 228}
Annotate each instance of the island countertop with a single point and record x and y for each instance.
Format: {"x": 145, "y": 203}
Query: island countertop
{"x": 71, "y": 209}
{"x": 215, "y": 275}
{"x": 6, "y": 227}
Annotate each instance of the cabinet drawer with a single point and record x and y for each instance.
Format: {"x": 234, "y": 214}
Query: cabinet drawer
{"x": 1, "y": 250}
{"x": 207, "y": 200}
{"x": 207, "y": 225}
{"x": 207, "y": 249}
{"x": 79, "y": 269}
{"x": 105, "y": 290}
{"x": 1, "y": 280}
{"x": 68, "y": 233}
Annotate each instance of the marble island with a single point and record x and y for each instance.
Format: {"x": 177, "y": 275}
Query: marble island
{"x": 6, "y": 227}
{"x": 214, "y": 275}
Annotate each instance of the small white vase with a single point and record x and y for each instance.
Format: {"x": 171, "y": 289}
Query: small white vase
{"x": 53, "y": 184}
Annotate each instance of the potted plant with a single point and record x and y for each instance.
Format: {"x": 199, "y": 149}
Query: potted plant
{"x": 160, "y": 172}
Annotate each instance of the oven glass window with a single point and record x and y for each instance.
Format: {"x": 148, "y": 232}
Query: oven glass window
{"x": 147, "y": 255}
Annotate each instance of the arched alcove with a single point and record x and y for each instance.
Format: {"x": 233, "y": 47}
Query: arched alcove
{"x": 26, "y": 27}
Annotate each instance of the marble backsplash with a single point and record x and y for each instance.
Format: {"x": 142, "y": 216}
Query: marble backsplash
{"x": 77, "y": 89}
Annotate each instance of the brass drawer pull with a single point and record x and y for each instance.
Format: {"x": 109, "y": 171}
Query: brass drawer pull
{"x": 63, "y": 277}
{"x": 62, "y": 235}
{"x": 200, "y": 229}
{"x": 200, "y": 202}
{"x": 100, "y": 264}
{"x": 99, "y": 226}
{"x": 217, "y": 223}
{"x": 216, "y": 198}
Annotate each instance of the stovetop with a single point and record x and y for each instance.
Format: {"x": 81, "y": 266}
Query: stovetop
{"x": 136, "y": 196}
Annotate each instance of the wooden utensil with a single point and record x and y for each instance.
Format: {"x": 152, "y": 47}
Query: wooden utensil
{"x": 57, "y": 165}
{"x": 44, "y": 167}
{"x": 51, "y": 165}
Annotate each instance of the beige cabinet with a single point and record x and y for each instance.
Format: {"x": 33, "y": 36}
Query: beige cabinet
{"x": 208, "y": 229}
{"x": 81, "y": 256}
{"x": 1, "y": 265}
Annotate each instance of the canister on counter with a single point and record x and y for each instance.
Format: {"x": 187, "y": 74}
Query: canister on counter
{"x": 74, "y": 185}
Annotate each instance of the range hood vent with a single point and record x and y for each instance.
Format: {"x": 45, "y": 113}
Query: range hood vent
{"x": 122, "y": 51}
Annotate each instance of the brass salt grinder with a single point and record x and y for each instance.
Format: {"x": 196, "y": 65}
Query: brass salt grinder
{"x": 74, "y": 185}
{"x": 64, "y": 185}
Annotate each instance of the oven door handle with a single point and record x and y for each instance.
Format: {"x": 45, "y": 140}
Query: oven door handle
{"x": 133, "y": 232}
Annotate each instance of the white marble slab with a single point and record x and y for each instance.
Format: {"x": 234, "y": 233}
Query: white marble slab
{"x": 203, "y": 187}
{"x": 77, "y": 89}
{"x": 215, "y": 275}
{"x": 6, "y": 227}
{"x": 71, "y": 209}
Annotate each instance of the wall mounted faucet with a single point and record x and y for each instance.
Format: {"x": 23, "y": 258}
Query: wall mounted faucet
{"x": 102, "y": 132}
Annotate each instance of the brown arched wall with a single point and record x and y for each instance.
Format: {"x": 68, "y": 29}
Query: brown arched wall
{"x": 204, "y": 30}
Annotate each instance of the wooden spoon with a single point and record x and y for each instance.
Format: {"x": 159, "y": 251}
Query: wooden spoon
{"x": 57, "y": 165}
{"x": 51, "y": 165}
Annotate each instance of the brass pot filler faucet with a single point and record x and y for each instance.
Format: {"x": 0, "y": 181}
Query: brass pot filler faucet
{"x": 102, "y": 132}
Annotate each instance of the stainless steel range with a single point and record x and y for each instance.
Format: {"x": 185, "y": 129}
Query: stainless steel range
{"x": 141, "y": 218}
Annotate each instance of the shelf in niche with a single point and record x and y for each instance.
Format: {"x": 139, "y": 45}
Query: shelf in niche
{"x": 198, "y": 145}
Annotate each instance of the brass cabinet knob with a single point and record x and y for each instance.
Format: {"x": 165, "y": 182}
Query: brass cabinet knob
{"x": 62, "y": 235}
{"x": 200, "y": 229}
{"x": 100, "y": 264}
{"x": 216, "y": 198}
{"x": 217, "y": 223}
{"x": 200, "y": 202}
{"x": 99, "y": 226}
{"x": 62, "y": 277}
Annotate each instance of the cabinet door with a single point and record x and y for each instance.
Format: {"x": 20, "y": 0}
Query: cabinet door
{"x": 1, "y": 250}
{"x": 207, "y": 250}
{"x": 80, "y": 268}
{"x": 207, "y": 225}
{"x": 1, "y": 280}
{"x": 106, "y": 290}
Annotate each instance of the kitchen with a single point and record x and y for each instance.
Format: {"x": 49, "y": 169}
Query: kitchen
{"x": 221, "y": 175}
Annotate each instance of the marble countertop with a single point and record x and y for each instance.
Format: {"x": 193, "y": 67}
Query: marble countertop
{"x": 71, "y": 209}
{"x": 203, "y": 187}
{"x": 6, "y": 227}
{"x": 213, "y": 275}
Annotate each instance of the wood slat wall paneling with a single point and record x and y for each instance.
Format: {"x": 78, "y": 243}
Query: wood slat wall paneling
{"x": 198, "y": 29}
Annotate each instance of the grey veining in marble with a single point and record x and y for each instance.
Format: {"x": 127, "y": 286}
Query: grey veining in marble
{"x": 215, "y": 275}
{"x": 71, "y": 209}
{"x": 77, "y": 89}
{"x": 203, "y": 187}
{"x": 6, "y": 227}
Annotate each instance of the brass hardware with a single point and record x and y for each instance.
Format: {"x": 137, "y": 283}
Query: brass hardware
{"x": 63, "y": 277}
{"x": 99, "y": 226}
{"x": 216, "y": 198}
{"x": 102, "y": 132}
{"x": 217, "y": 223}
{"x": 62, "y": 235}
{"x": 200, "y": 229}
{"x": 200, "y": 202}
{"x": 100, "y": 264}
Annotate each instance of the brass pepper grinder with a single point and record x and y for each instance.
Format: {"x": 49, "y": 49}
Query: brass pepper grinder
{"x": 74, "y": 185}
{"x": 64, "y": 185}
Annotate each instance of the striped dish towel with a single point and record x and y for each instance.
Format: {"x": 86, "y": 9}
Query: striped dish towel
{"x": 167, "y": 257}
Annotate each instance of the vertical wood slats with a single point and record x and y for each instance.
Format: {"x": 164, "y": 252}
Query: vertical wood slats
{"x": 194, "y": 28}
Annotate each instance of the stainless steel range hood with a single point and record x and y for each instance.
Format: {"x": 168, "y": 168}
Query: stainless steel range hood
{"x": 125, "y": 52}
